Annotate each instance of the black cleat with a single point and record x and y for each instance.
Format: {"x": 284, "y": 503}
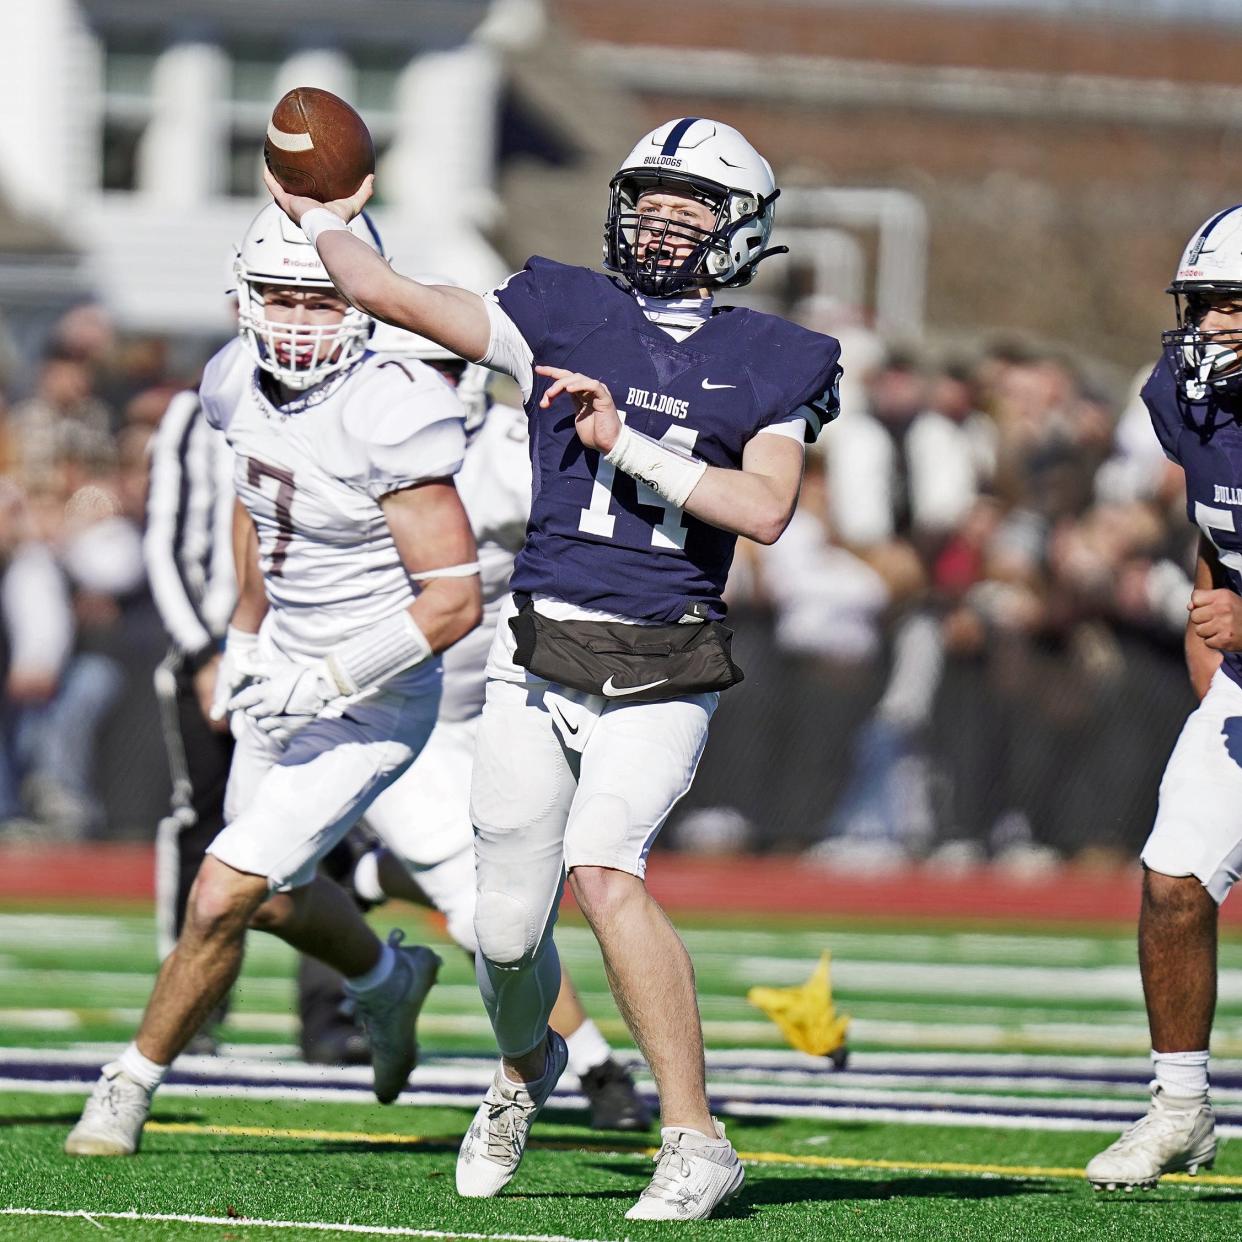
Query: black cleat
{"x": 614, "y": 1099}
{"x": 343, "y": 1043}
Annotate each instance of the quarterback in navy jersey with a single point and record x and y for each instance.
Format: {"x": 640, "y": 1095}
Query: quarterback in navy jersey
{"x": 662, "y": 427}
{"x": 1194, "y": 853}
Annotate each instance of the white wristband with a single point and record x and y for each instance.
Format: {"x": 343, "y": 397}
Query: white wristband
{"x": 320, "y": 220}
{"x": 381, "y": 652}
{"x": 668, "y": 473}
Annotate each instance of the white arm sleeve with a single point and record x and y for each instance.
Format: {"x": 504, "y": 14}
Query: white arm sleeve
{"x": 793, "y": 428}
{"x": 507, "y": 350}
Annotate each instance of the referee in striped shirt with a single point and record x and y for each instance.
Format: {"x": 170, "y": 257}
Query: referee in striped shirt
{"x": 188, "y": 550}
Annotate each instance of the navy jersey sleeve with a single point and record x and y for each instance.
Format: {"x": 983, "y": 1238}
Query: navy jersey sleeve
{"x": 1160, "y": 396}
{"x": 521, "y": 297}
{"x": 802, "y": 370}
{"x": 821, "y": 409}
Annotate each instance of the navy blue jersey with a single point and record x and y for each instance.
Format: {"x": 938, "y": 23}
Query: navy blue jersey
{"x": 1205, "y": 439}
{"x": 597, "y": 538}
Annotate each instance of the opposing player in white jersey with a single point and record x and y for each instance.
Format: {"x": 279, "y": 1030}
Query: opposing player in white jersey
{"x": 424, "y": 816}
{"x": 344, "y": 465}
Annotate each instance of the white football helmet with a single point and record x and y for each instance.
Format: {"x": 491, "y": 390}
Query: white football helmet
{"x": 1210, "y": 269}
{"x": 275, "y": 251}
{"x": 470, "y": 379}
{"x": 716, "y": 165}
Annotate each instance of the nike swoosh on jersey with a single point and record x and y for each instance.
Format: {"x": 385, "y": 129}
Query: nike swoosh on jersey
{"x": 616, "y": 692}
{"x": 573, "y": 729}
{"x": 708, "y": 385}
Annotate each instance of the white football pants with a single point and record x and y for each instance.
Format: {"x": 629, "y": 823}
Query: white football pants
{"x": 287, "y": 805}
{"x": 1198, "y": 829}
{"x": 563, "y": 779}
{"x": 424, "y": 819}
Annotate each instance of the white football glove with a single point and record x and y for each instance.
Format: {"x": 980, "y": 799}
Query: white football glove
{"x": 238, "y": 665}
{"x": 283, "y": 695}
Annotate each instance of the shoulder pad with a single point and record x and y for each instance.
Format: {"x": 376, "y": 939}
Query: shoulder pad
{"x": 803, "y": 366}
{"x": 224, "y": 380}
{"x": 1165, "y": 405}
{"x": 567, "y": 280}
{"x": 392, "y": 399}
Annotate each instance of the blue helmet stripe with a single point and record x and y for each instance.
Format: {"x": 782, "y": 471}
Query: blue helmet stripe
{"x": 676, "y": 134}
{"x": 1207, "y": 228}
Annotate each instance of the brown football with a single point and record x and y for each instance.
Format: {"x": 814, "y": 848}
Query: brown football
{"x": 317, "y": 145}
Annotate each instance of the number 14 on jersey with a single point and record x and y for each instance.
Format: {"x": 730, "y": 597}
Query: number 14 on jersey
{"x": 670, "y": 530}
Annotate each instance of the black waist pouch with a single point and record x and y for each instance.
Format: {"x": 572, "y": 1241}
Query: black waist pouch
{"x": 634, "y": 663}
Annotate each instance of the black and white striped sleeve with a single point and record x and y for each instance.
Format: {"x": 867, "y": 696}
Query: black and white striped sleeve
{"x": 175, "y": 497}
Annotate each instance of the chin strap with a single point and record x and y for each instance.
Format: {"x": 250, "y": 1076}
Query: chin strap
{"x": 745, "y": 274}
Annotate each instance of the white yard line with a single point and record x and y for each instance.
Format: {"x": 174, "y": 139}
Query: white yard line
{"x": 237, "y": 1222}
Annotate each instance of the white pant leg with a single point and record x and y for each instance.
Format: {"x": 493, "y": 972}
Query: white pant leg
{"x": 1198, "y": 829}
{"x": 520, "y": 796}
{"x": 424, "y": 815}
{"x": 638, "y": 762}
{"x": 293, "y": 803}
{"x": 424, "y": 819}
{"x": 449, "y": 886}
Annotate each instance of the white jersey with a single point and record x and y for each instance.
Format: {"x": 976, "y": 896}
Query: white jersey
{"x": 495, "y": 486}
{"x": 311, "y": 474}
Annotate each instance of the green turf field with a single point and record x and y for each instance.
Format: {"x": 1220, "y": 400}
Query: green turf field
{"x": 988, "y": 1064}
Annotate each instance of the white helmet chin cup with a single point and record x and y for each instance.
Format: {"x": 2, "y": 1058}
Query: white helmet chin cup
{"x": 719, "y": 167}
{"x": 275, "y": 251}
{"x": 1210, "y": 268}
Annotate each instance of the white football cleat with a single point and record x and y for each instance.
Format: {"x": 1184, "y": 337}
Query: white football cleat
{"x": 113, "y": 1118}
{"x": 694, "y": 1176}
{"x": 390, "y": 1016}
{"x": 1176, "y": 1135}
{"x": 493, "y": 1147}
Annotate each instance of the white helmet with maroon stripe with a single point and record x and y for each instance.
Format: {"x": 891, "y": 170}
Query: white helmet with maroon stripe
{"x": 276, "y": 253}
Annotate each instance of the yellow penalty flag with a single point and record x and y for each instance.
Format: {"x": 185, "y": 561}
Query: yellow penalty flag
{"x": 805, "y": 1013}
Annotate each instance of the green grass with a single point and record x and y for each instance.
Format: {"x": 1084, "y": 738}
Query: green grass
{"x": 78, "y": 978}
{"x": 575, "y": 1193}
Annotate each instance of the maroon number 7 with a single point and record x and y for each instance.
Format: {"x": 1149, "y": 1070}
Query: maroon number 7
{"x": 256, "y": 472}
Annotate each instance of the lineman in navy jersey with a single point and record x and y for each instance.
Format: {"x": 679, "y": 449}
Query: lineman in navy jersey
{"x": 661, "y": 428}
{"x": 1194, "y": 853}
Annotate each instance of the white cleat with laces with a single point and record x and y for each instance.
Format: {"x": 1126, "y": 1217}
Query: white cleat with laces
{"x": 1176, "y": 1135}
{"x": 694, "y": 1176}
{"x": 493, "y": 1147}
{"x": 112, "y": 1121}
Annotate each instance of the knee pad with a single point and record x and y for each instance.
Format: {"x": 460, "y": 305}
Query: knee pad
{"x": 505, "y": 928}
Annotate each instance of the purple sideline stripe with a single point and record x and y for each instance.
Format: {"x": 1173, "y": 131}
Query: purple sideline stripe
{"x": 1135, "y": 1077}
{"x": 42, "y": 1071}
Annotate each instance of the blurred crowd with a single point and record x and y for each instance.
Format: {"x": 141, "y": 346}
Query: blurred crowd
{"x": 966, "y": 647}
{"x": 975, "y": 619}
{"x": 78, "y": 731}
